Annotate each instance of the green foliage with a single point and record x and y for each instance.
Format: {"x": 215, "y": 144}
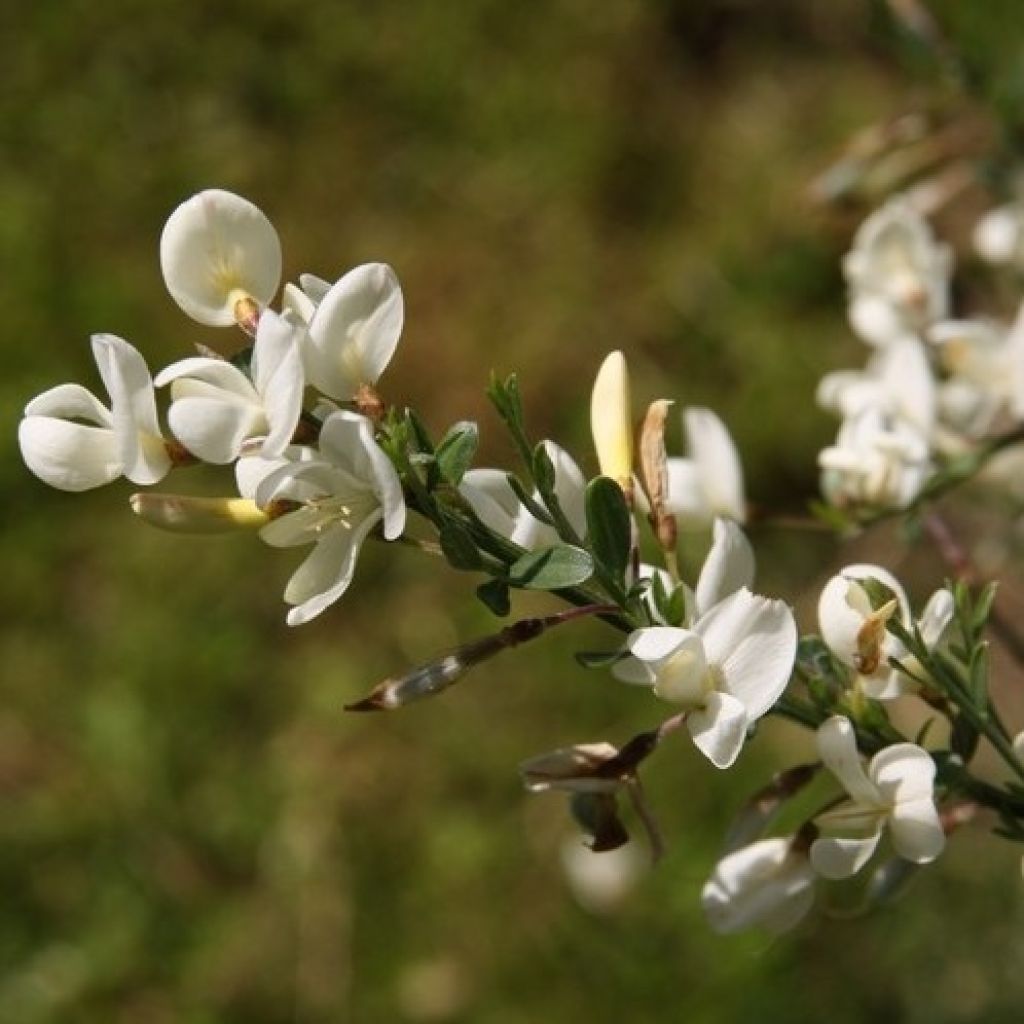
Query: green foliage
{"x": 552, "y": 568}
{"x": 608, "y": 526}
{"x": 455, "y": 451}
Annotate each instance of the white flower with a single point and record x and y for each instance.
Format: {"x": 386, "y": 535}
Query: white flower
{"x": 727, "y": 670}
{"x": 123, "y": 440}
{"x": 216, "y": 407}
{"x": 343, "y": 491}
{"x": 709, "y": 482}
{"x": 896, "y": 791}
{"x": 218, "y": 250}
{"x": 496, "y": 504}
{"x": 354, "y": 327}
{"x": 898, "y": 274}
{"x": 876, "y": 460}
{"x": 898, "y": 382}
{"x": 856, "y": 632}
{"x": 768, "y": 884}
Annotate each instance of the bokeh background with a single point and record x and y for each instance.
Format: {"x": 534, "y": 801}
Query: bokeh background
{"x": 192, "y": 830}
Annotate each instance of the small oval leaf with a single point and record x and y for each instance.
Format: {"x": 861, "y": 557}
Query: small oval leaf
{"x": 609, "y": 526}
{"x": 456, "y": 450}
{"x": 552, "y": 568}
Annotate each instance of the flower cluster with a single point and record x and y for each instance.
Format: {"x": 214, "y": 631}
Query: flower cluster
{"x": 321, "y": 460}
{"x": 318, "y": 478}
{"x": 934, "y": 386}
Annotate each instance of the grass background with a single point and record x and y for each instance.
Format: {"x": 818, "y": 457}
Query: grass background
{"x": 192, "y": 830}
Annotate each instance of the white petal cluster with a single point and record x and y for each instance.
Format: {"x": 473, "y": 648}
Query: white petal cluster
{"x": 341, "y": 492}
{"x": 72, "y": 441}
{"x": 855, "y": 630}
{"x": 898, "y": 275}
{"x": 216, "y": 407}
{"x": 933, "y": 386}
{"x": 353, "y": 327}
{"x": 221, "y": 261}
{"x": 730, "y": 664}
{"x": 895, "y": 793}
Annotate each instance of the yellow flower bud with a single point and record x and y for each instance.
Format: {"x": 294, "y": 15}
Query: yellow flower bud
{"x": 184, "y": 513}
{"x": 611, "y": 423}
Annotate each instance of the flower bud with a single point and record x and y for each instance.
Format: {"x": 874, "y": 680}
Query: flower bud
{"x": 610, "y": 421}
{"x": 183, "y": 513}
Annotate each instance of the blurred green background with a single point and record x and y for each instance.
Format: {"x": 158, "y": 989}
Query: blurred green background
{"x": 192, "y": 830}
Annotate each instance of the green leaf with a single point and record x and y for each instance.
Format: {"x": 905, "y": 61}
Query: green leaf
{"x": 504, "y": 396}
{"x": 979, "y": 677}
{"x": 982, "y": 609}
{"x": 458, "y": 547}
{"x": 598, "y": 659}
{"x": 419, "y": 432}
{"x": 609, "y": 527}
{"x": 543, "y": 469}
{"x": 494, "y": 594}
{"x": 529, "y": 502}
{"x": 552, "y": 568}
{"x": 456, "y": 451}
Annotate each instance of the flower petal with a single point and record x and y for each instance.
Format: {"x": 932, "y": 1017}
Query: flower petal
{"x": 686, "y": 498}
{"x": 214, "y": 430}
{"x": 569, "y": 486}
{"x": 916, "y": 830}
{"x": 719, "y": 728}
{"x": 327, "y": 571}
{"x": 355, "y": 331}
{"x": 718, "y": 462}
{"x": 491, "y": 498}
{"x": 752, "y": 640}
{"x": 70, "y": 402}
{"x": 936, "y": 617}
{"x": 903, "y": 771}
{"x": 760, "y": 885}
{"x": 728, "y": 567}
{"x": 133, "y": 407}
{"x": 656, "y": 643}
{"x": 215, "y": 249}
{"x": 279, "y": 378}
{"x": 69, "y": 456}
{"x": 835, "y": 857}
{"x": 633, "y": 670}
{"x": 837, "y": 745}
{"x": 217, "y": 373}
